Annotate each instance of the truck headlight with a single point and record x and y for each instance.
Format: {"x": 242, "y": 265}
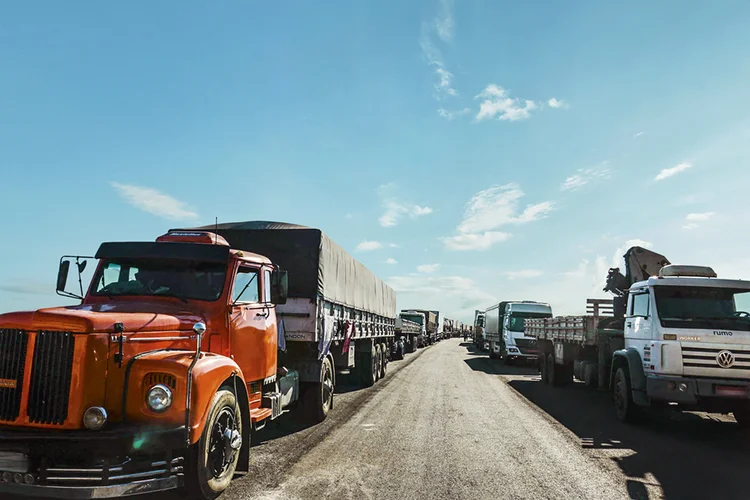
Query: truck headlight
{"x": 159, "y": 398}
{"x": 94, "y": 418}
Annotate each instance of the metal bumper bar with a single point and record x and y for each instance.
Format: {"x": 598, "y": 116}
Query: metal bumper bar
{"x": 76, "y": 492}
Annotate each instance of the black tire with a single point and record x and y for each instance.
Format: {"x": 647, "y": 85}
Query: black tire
{"x": 622, "y": 398}
{"x": 590, "y": 375}
{"x": 384, "y": 363}
{"x": 742, "y": 416}
{"x": 542, "y": 361}
{"x": 492, "y": 352}
{"x": 378, "y": 362}
{"x": 551, "y": 370}
{"x": 317, "y": 399}
{"x": 210, "y": 470}
{"x": 368, "y": 368}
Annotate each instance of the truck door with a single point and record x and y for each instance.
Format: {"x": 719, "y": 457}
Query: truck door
{"x": 639, "y": 320}
{"x": 248, "y": 332}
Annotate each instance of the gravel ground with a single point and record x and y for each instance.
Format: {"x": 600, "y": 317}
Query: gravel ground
{"x": 449, "y": 423}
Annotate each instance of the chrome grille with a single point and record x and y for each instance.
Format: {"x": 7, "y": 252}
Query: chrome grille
{"x": 12, "y": 363}
{"x": 50, "y": 377}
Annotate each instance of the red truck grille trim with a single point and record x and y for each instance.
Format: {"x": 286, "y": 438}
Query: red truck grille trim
{"x": 13, "y": 345}
{"x": 51, "y": 372}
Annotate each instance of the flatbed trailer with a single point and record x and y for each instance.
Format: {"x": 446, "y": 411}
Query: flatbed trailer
{"x": 578, "y": 347}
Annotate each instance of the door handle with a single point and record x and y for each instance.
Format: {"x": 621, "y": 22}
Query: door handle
{"x": 630, "y": 325}
{"x": 261, "y": 315}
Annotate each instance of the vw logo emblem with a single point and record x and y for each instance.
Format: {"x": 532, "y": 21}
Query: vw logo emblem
{"x": 725, "y": 359}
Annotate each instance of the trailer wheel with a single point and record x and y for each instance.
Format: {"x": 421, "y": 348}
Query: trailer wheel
{"x": 378, "y": 362}
{"x": 213, "y": 460}
{"x": 622, "y": 397}
{"x": 590, "y": 375}
{"x": 384, "y": 363}
{"x": 542, "y": 362}
{"x": 551, "y": 369}
{"x": 318, "y": 396}
{"x": 368, "y": 368}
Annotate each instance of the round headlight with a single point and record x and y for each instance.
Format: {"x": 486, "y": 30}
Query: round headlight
{"x": 159, "y": 398}
{"x": 94, "y": 418}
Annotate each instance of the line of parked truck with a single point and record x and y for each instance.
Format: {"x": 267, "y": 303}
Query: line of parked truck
{"x": 180, "y": 349}
{"x": 673, "y": 337}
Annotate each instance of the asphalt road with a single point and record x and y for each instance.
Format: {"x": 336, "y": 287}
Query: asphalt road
{"x": 449, "y": 423}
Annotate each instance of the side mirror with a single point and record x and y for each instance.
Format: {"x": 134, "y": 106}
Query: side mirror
{"x": 62, "y": 275}
{"x": 279, "y": 286}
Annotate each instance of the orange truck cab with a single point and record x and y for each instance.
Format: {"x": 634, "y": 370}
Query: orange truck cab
{"x": 177, "y": 352}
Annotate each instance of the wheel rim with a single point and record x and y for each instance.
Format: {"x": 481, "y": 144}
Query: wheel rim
{"x": 222, "y": 447}
{"x": 327, "y": 387}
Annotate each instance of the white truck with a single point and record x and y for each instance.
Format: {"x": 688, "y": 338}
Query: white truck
{"x": 505, "y": 330}
{"x": 407, "y": 335}
{"x": 678, "y": 337}
{"x": 420, "y": 339}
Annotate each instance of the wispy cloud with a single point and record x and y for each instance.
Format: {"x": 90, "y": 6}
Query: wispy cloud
{"x": 490, "y": 209}
{"x": 497, "y": 104}
{"x": 638, "y": 134}
{"x": 428, "y": 268}
{"x": 498, "y": 206}
{"x": 392, "y": 245}
{"x": 557, "y": 103}
{"x": 27, "y": 288}
{"x": 456, "y": 296}
{"x": 669, "y": 172}
{"x": 391, "y": 260}
{"x": 443, "y": 26}
{"x": 444, "y": 23}
{"x": 367, "y": 246}
{"x": 395, "y": 208}
{"x": 451, "y": 115}
{"x": 154, "y": 202}
{"x": 475, "y": 241}
{"x": 693, "y": 221}
{"x": 585, "y": 176}
{"x": 523, "y": 274}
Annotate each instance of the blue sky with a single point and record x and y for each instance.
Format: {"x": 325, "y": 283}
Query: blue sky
{"x": 467, "y": 152}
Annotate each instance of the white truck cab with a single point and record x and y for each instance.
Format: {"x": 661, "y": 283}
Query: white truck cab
{"x": 689, "y": 334}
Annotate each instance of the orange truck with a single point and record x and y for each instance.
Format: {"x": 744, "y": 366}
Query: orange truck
{"x": 179, "y": 350}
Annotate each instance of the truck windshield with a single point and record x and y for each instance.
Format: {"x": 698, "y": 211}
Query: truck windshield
{"x": 175, "y": 278}
{"x": 417, "y": 319}
{"x": 703, "y": 307}
{"x": 516, "y": 320}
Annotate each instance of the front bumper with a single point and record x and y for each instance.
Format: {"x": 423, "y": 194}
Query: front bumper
{"x": 698, "y": 391}
{"x": 76, "y": 492}
{"x": 121, "y": 461}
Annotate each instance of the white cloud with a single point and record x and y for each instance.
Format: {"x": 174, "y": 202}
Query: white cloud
{"x": 497, "y": 104}
{"x": 395, "y": 208}
{"x": 154, "y": 202}
{"x": 479, "y": 241}
{"x": 498, "y": 206}
{"x": 638, "y": 134}
{"x": 669, "y": 172}
{"x": 451, "y": 115}
{"x": 391, "y": 260}
{"x": 699, "y": 217}
{"x": 392, "y": 245}
{"x": 367, "y": 246}
{"x": 454, "y": 296}
{"x": 693, "y": 221}
{"x": 522, "y": 274}
{"x": 348, "y": 216}
{"x": 444, "y": 23}
{"x": 585, "y": 176}
{"x": 428, "y": 268}
{"x": 557, "y": 103}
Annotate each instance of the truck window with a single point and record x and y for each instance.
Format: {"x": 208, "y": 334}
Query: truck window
{"x": 246, "y": 286}
{"x": 266, "y": 286}
{"x": 703, "y": 307}
{"x": 640, "y": 305}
